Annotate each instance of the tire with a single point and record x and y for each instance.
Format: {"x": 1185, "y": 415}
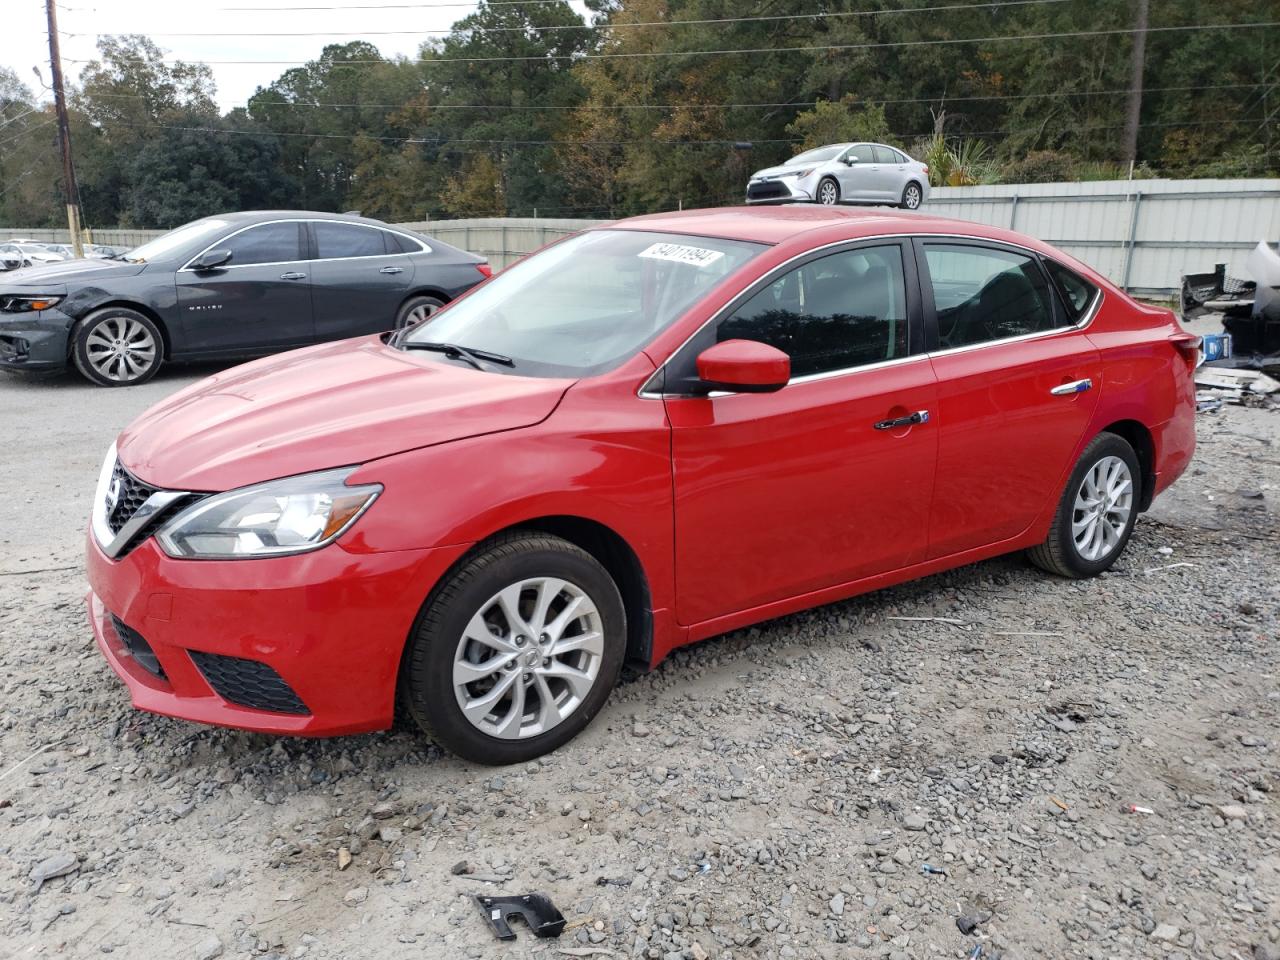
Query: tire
{"x": 912, "y": 196}
{"x": 417, "y": 310}
{"x": 1062, "y": 552}
{"x": 828, "y": 192}
{"x": 441, "y": 653}
{"x": 117, "y": 347}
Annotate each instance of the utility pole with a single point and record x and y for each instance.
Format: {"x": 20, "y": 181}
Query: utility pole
{"x": 1137, "y": 68}
{"x": 64, "y": 132}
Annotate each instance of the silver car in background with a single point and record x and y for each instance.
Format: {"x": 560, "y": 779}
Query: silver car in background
{"x": 844, "y": 173}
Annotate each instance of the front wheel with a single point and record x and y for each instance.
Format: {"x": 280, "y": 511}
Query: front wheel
{"x": 912, "y": 196}
{"x": 117, "y": 347}
{"x": 516, "y": 651}
{"x": 1097, "y": 512}
{"x": 828, "y": 193}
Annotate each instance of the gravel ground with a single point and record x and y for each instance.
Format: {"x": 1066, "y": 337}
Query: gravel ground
{"x": 772, "y": 793}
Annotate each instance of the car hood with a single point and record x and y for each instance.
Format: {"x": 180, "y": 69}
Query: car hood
{"x": 68, "y": 272}
{"x": 786, "y": 168}
{"x": 320, "y": 407}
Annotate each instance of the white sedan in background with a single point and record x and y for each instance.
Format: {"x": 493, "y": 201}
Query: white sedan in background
{"x": 844, "y": 173}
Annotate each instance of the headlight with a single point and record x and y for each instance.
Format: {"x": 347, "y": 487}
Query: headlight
{"x": 270, "y": 519}
{"x": 27, "y": 304}
{"x": 798, "y": 174}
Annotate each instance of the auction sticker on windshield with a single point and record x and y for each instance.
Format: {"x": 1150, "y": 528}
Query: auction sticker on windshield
{"x": 679, "y": 253}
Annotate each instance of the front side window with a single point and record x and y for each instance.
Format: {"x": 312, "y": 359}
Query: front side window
{"x": 587, "y": 303}
{"x": 983, "y": 294}
{"x": 336, "y": 241}
{"x": 844, "y": 310}
{"x": 859, "y": 153}
{"x": 265, "y": 243}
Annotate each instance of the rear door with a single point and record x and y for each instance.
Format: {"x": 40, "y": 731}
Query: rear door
{"x": 360, "y": 276}
{"x": 1018, "y": 381}
{"x": 891, "y": 173}
{"x": 781, "y": 494}
{"x": 260, "y": 299}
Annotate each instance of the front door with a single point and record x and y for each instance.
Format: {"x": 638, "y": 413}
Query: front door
{"x": 778, "y": 495}
{"x": 1017, "y": 386}
{"x": 360, "y": 278}
{"x": 260, "y": 299}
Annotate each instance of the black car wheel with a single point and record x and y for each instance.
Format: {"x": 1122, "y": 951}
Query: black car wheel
{"x": 828, "y": 193}
{"x": 912, "y": 196}
{"x": 117, "y": 347}
{"x": 1096, "y": 514}
{"x": 417, "y": 310}
{"x": 516, "y": 650}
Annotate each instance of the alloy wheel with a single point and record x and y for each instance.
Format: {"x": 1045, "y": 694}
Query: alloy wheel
{"x": 419, "y": 314}
{"x": 1102, "y": 508}
{"x": 120, "y": 349}
{"x": 528, "y": 658}
{"x": 828, "y": 195}
{"x": 913, "y": 197}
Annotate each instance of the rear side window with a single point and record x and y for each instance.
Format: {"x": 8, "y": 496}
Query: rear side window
{"x": 845, "y": 310}
{"x": 339, "y": 240}
{"x": 886, "y": 155}
{"x": 267, "y": 243}
{"x": 983, "y": 294}
{"x": 1077, "y": 292}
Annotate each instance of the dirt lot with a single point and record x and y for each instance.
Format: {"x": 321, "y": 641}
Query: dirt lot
{"x": 772, "y": 793}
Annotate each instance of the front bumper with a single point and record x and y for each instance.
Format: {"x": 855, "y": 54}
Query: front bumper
{"x": 789, "y": 190}
{"x": 331, "y": 624}
{"x": 34, "y": 341}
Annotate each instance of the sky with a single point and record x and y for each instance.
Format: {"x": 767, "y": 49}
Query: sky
{"x": 81, "y": 21}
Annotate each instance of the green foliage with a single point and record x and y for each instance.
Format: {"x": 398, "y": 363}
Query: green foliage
{"x": 516, "y": 110}
{"x": 839, "y": 122}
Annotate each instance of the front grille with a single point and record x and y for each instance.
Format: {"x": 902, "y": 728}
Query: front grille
{"x": 249, "y": 683}
{"x": 138, "y": 647}
{"x": 769, "y": 190}
{"x": 130, "y": 492}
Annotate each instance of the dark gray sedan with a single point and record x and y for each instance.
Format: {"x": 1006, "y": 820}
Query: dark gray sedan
{"x": 227, "y": 287}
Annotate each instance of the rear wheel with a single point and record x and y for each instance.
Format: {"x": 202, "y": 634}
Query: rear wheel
{"x": 516, "y": 651}
{"x": 117, "y": 347}
{"x": 1095, "y": 517}
{"x": 912, "y": 196}
{"x": 828, "y": 192}
{"x": 417, "y": 310}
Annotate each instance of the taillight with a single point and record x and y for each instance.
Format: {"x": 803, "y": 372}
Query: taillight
{"x": 485, "y": 269}
{"x": 925, "y": 171}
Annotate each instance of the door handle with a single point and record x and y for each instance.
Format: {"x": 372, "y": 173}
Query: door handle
{"x": 910, "y": 420}
{"x": 1075, "y": 386}
{"x": 293, "y": 276}
{"x": 392, "y": 270}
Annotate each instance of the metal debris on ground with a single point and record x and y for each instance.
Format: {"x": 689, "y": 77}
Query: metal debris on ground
{"x": 536, "y": 909}
{"x": 1249, "y": 310}
{"x": 929, "y": 869}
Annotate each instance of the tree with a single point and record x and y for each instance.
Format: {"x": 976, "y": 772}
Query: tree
{"x": 840, "y": 122}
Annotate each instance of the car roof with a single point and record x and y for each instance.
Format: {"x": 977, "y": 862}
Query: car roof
{"x": 774, "y": 225}
{"x": 259, "y": 216}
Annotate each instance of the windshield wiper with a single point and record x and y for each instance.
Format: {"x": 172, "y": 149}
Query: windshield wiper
{"x": 457, "y": 352}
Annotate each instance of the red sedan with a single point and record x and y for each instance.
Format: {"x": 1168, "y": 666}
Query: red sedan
{"x": 644, "y": 435}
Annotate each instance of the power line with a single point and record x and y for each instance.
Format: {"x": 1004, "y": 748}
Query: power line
{"x": 603, "y": 26}
{"x": 941, "y": 98}
{"x": 809, "y": 48}
{"x": 16, "y": 137}
{"x": 25, "y": 113}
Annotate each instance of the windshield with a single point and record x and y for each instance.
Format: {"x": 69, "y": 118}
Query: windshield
{"x": 817, "y": 156}
{"x": 175, "y": 240}
{"x": 587, "y": 303}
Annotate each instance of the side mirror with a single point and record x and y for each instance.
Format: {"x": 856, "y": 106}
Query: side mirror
{"x": 850, "y": 161}
{"x": 211, "y": 260}
{"x": 744, "y": 366}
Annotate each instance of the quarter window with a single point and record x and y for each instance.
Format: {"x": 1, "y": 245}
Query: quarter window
{"x": 266, "y": 243}
{"x": 983, "y": 294}
{"x": 1076, "y": 290}
{"x": 844, "y": 310}
{"x": 339, "y": 240}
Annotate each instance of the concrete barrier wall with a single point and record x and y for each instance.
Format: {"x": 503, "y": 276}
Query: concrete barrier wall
{"x": 1143, "y": 234}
